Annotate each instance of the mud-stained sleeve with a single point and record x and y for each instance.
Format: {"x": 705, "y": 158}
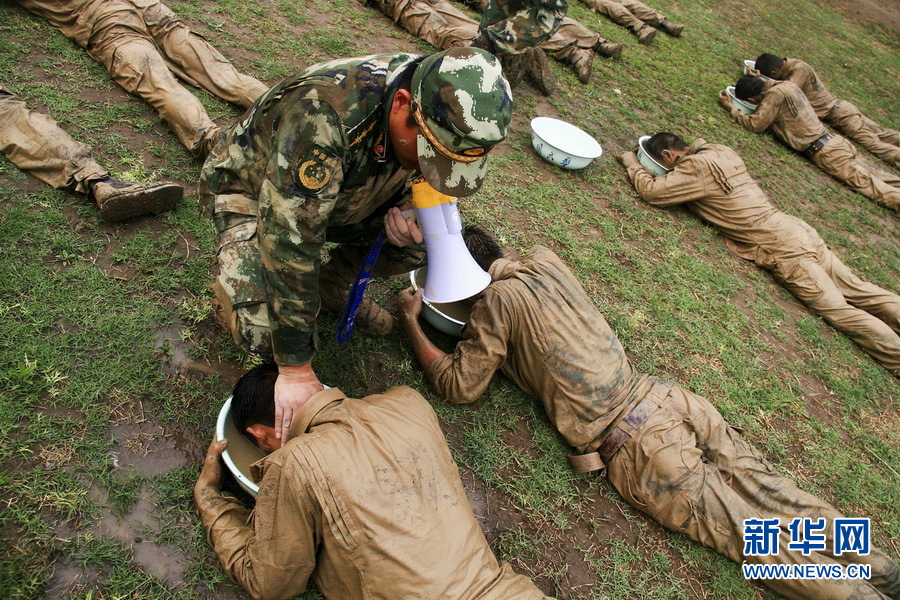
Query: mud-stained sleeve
{"x": 765, "y": 114}
{"x": 270, "y": 552}
{"x": 304, "y": 178}
{"x": 462, "y": 377}
{"x": 684, "y": 183}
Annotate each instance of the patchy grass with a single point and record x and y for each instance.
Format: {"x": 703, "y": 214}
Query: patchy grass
{"x": 105, "y": 327}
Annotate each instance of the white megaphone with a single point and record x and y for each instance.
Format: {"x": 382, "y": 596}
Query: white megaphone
{"x": 452, "y": 272}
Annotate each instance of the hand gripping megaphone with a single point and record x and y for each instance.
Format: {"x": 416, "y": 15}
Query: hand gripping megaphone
{"x": 452, "y": 272}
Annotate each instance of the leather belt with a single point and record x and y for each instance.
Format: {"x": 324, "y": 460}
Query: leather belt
{"x": 818, "y": 144}
{"x": 833, "y": 108}
{"x": 622, "y": 432}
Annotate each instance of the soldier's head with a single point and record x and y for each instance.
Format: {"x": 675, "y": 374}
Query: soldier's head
{"x": 482, "y": 246}
{"x": 770, "y": 65}
{"x": 253, "y": 406}
{"x": 750, "y": 88}
{"x": 665, "y": 148}
{"x": 456, "y": 108}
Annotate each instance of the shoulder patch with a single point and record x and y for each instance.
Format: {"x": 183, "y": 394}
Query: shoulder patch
{"x": 314, "y": 171}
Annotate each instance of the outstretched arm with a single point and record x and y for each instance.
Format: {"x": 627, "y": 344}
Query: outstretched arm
{"x": 410, "y": 308}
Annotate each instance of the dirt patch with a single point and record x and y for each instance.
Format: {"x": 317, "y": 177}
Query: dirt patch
{"x": 882, "y": 14}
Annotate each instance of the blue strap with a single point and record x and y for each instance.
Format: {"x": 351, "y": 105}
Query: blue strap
{"x": 345, "y": 325}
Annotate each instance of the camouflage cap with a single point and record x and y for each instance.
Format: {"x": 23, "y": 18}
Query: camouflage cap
{"x": 462, "y": 104}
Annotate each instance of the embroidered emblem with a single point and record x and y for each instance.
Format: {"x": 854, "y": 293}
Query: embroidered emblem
{"x": 313, "y": 173}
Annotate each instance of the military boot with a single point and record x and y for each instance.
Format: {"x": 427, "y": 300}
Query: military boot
{"x": 514, "y": 67}
{"x": 671, "y": 28}
{"x": 645, "y": 34}
{"x": 610, "y": 49}
{"x": 539, "y": 70}
{"x": 121, "y": 200}
{"x": 582, "y": 61}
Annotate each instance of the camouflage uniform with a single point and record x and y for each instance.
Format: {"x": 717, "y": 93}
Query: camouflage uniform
{"x": 142, "y": 43}
{"x": 35, "y": 142}
{"x": 443, "y": 26}
{"x": 512, "y": 26}
{"x": 313, "y": 154}
{"x": 668, "y": 451}
{"x": 572, "y": 43}
{"x": 842, "y": 115}
{"x": 785, "y": 109}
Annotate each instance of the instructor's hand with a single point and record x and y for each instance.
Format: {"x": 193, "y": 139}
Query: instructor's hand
{"x": 294, "y": 386}
{"x": 401, "y": 228}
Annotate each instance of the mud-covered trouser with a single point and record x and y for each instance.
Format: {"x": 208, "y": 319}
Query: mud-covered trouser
{"x": 880, "y": 141}
{"x": 142, "y": 48}
{"x": 867, "y": 313}
{"x": 838, "y": 158}
{"x": 35, "y": 142}
{"x": 571, "y": 39}
{"x": 627, "y": 13}
{"x": 436, "y": 21}
{"x": 344, "y": 261}
{"x": 691, "y": 472}
{"x": 239, "y": 284}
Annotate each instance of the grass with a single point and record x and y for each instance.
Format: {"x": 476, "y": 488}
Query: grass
{"x": 105, "y": 328}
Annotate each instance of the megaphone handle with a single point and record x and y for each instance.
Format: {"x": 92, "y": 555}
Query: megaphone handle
{"x": 345, "y": 324}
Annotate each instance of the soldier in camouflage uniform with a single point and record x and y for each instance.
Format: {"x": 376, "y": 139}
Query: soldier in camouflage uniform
{"x": 326, "y": 155}
{"x": 517, "y": 31}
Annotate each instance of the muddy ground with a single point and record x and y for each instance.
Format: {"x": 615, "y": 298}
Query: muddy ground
{"x": 148, "y": 446}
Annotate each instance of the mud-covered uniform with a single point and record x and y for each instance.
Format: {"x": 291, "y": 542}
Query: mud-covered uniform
{"x": 142, "y": 43}
{"x": 36, "y": 143}
{"x": 366, "y": 500}
{"x": 312, "y": 155}
{"x": 785, "y": 109}
{"x": 843, "y": 115}
{"x": 714, "y": 181}
{"x": 630, "y": 14}
{"x": 668, "y": 451}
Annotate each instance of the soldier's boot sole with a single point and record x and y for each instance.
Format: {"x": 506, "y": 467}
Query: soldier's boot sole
{"x": 120, "y": 204}
{"x": 645, "y": 35}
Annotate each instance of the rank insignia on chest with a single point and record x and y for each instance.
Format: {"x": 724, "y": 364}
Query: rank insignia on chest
{"x": 379, "y": 148}
{"x": 314, "y": 172}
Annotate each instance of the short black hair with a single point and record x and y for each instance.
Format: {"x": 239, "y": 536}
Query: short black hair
{"x": 482, "y": 246}
{"x": 767, "y": 64}
{"x": 664, "y": 141}
{"x": 253, "y": 398}
{"x": 748, "y": 86}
